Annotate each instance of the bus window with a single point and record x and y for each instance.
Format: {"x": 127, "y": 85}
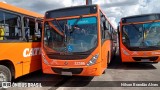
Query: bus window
{"x": 38, "y": 30}
{"x": 10, "y": 27}
{"x": 30, "y": 29}
{"x": 104, "y": 28}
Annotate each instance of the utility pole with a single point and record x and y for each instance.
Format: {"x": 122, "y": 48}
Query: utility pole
{"x": 88, "y": 2}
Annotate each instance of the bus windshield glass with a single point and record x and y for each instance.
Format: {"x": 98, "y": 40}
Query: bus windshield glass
{"x": 71, "y": 35}
{"x": 142, "y": 35}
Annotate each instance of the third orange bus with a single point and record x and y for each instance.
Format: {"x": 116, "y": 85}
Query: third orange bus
{"x": 139, "y": 38}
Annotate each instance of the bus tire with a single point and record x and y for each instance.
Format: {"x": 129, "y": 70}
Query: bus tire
{"x": 5, "y": 73}
{"x": 104, "y": 72}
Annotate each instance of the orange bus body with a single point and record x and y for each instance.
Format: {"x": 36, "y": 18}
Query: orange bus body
{"x": 144, "y": 54}
{"x": 78, "y": 66}
{"x": 18, "y": 55}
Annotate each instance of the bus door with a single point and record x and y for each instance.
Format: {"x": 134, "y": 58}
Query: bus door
{"x": 31, "y": 53}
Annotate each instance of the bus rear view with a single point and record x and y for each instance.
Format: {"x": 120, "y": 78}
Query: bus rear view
{"x": 72, "y": 42}
{"x": 140, "y": 38}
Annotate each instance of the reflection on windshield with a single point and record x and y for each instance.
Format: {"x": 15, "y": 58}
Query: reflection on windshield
{"x": 142, "y": 35}
{"x": 81, "y": 37}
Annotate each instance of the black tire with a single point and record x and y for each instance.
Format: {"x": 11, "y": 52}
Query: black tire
{"x": 104, "y": 71}
{"x": 5, "y": 71}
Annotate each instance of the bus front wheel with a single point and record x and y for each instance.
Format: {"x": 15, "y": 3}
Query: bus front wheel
{"x": 5, "y": 73}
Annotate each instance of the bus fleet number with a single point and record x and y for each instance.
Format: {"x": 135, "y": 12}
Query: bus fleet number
{"x": 79, "y": 63}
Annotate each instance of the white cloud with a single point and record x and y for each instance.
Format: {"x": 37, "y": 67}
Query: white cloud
{"x": 3, "y": 1}
{"x": 114, "y": 9}
{"x": 117, "y": 9}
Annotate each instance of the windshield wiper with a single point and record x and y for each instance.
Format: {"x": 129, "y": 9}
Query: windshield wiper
{"x": 75, "y": 24}
{"x": 135, "y": 27}
{"x": 59, "y": 26}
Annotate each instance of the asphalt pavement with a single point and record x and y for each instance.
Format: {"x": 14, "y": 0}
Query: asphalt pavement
{"x": 115, "y": 73}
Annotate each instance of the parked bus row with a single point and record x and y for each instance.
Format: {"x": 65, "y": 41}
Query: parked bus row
{"x": 76, "y": 40}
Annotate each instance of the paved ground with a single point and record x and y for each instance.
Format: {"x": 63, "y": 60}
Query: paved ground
{"x": 115, "y": 72}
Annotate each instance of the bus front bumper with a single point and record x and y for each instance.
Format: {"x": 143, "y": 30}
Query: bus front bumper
{"x": 94, "y": 70}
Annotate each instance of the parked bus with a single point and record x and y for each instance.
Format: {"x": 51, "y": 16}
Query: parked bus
{"x": 20, "y": 36}
{"x": 139, "y": 38}
{"x": 76, "y": 41}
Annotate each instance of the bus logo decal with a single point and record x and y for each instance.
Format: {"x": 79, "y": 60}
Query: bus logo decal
{"x": 31, "y": 52}
{"x": 144, "y": 53}
{"x": 134, "y": 53}
{"x": 65, "y": 63}
{"x": 70, "y": 48}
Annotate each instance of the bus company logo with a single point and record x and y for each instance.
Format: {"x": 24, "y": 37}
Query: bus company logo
{"x": 6, "y": 84}
{"x": 31, "y": 52}
{"x": 144, "y": 53}
{"x": 65, "y": 63}
{"x": 134, "y": 53}
{"x": 155, "y": 53}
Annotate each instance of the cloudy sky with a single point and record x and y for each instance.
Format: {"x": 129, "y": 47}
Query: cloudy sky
{"x": 114, "y": 9}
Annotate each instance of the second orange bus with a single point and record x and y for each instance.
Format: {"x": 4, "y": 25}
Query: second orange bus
{"x": 76, "y": 41}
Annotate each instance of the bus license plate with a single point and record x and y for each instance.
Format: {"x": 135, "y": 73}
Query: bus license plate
{"x": 66, "y": 73}
{"x": 145, "y": 60}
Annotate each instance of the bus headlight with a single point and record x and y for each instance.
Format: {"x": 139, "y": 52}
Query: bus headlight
{"x": 44, "y": 60}
{"x": 125, "y": 52}
{"x": 93, "y": 60}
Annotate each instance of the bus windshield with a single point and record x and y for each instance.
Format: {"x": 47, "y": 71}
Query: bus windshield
{"x": 71, "y": 35}
{"x": 142, "y": 35}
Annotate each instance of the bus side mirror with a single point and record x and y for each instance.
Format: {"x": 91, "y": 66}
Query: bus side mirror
{"x": 118, "y": 29}
{"x": 104, "y": 25}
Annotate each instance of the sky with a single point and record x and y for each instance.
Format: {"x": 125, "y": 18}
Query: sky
{"x": 114, "y": 9}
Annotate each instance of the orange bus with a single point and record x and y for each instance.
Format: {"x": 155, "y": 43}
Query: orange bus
{"x": 20, "y": 42}
{"x": 76, "y": 41}
{"x": 139, "y": 38}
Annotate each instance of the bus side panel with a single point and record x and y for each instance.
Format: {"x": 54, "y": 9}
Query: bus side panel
{"x": 105, "y": 49}
{"x": 32, "y": 60}
{"x": 20, "y": 54}
{"x": 12, "y": 52}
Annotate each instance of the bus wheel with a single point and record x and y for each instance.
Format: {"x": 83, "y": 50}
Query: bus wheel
{"x": 5, "y": 73}
{"x": 104, "y": 72}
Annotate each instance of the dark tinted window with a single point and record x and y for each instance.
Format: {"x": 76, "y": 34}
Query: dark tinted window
{"x": 31, "y": 34}
{"x": 10, "y": 26}
{"x": 141, "y": 18}
{"x": 75, "y": 11}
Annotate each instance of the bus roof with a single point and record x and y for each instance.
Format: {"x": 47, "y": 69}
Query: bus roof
{"x": 133, "y": 16}
{"x": 71, "y": 11}
{"x": 19, "y": 10}
{"x": 141, "y": 18}
{"x": 72, "y": 7}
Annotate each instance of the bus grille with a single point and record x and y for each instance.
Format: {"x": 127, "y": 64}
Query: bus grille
{"x": 67, "y": 57}
{"x": 154, "y": 58}
{"x": 73, "y": 70}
